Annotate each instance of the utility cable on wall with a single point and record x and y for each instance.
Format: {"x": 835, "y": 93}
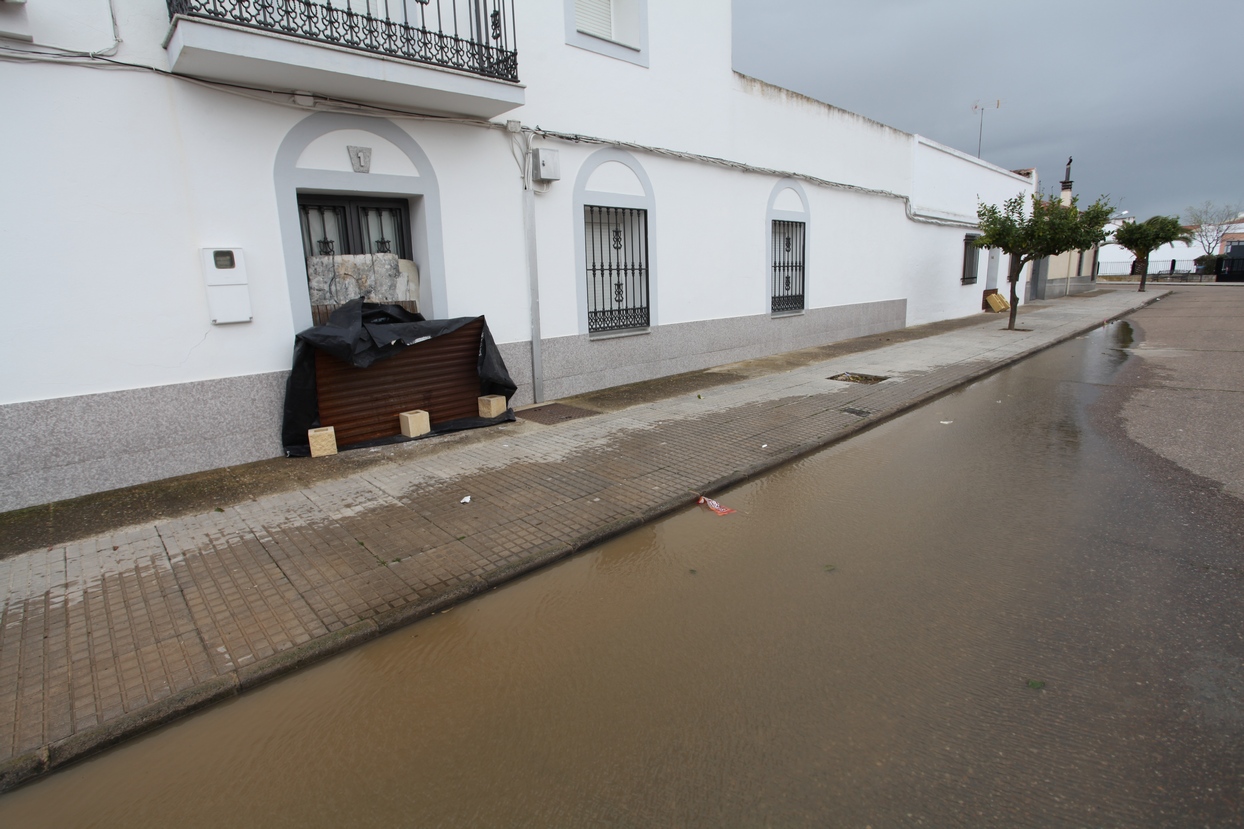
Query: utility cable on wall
{"x": 751, "y": 168}
{"x": 286, "y": 98}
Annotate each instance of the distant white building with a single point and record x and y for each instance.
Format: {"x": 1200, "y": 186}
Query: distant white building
{"x": 1116, "y": 260}
{"x": 1113, "y": 260}
{"x": 185, "y": 183}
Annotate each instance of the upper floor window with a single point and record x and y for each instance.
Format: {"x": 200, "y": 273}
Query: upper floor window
{"x": 616, "y": 20}
{"x": 617, "y": 28}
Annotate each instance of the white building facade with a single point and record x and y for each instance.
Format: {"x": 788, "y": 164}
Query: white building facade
{"x": 174, "y": 175}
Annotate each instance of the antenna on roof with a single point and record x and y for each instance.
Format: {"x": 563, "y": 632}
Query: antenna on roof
{"x": 979, "y": 107}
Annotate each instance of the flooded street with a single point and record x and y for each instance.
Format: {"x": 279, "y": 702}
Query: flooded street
{"x": 992, "y": 611}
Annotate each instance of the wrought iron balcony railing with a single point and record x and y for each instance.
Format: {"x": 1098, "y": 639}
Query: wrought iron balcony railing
{"x": 474, "y": 36}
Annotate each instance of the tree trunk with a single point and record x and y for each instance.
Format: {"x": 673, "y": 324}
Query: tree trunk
{"x": 1017, "y": 265}
{"x": 1144, "y": 270}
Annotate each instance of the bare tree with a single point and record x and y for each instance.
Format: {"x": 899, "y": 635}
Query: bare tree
{"x": 1209, "y": 222}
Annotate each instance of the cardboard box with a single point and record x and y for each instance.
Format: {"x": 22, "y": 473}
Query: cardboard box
{"x": 997, "y": 303}
{"x": 323, "y": 441}
{"x": 415, "y": 423}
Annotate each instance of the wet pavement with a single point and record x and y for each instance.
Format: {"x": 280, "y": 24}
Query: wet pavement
{"x": 106, "y": 636}
{"x": 993, "y": 610}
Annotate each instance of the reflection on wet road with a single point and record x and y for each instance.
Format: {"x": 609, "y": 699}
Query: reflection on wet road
{"x": 992, "y": 611}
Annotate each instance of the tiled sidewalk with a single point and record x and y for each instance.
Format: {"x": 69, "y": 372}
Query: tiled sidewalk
{"x": 107, "y": 636}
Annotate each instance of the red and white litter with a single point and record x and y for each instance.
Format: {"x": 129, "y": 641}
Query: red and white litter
{"x": 714, "y": 506}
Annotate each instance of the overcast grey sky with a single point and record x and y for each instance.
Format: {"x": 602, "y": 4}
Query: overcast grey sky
{"x": 1147, "y": 95}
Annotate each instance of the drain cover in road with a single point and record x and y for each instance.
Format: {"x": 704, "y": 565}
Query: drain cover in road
{"x": 554, "y": 413}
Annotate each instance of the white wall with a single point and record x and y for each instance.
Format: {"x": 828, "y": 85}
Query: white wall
{"x": 481, "y": 214}
{"x": 689, "y": 98}
{"x": 125, "y": 175}
{"x": 949, "y": 183}
{"x": 107, "y": 222}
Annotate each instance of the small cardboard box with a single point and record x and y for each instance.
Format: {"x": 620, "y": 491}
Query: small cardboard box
{"x": 997, "y": 303}
{"x": 323, "y": 441}
{"x": 492, "y": 405}
{"x": 415, "y": 423}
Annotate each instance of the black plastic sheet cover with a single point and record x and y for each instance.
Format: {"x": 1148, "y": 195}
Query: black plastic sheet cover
{"x": 362, "y": 333}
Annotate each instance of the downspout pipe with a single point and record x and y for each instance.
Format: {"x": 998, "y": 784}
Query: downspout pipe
{"x": 533, "y": 281}
{"x": 533, "y": 267}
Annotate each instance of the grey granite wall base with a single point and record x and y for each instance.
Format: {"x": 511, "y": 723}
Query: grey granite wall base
{"x": 575, "y": 365}
{"x": 71, "y": 446}
{"x": 517, "y": 358}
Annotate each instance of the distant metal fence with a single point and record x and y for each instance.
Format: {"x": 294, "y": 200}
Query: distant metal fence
{"x": 1156, "y": 267}
{"x": 1161, "y": 277}
{"x": 1166, "y": 276}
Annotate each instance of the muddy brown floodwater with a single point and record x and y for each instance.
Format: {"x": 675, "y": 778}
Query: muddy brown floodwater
{"x": 992, "y": 611}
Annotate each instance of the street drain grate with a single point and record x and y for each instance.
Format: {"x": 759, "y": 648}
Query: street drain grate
{"x": 856, "y": 377}
{"x": 554, "y": 413}
{"x": 851, "y": 410}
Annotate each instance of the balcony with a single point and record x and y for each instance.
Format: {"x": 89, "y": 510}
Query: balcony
{"x": 454, "y": 57}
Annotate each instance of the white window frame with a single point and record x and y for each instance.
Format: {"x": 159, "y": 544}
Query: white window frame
{"x": 971, "y": 260}
{"x": 584, "y": 197}
{"x": 627, "y": 38}
{"x": 804, "y": 217}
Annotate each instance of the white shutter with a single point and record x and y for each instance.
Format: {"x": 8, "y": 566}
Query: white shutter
{"x": 594, "y": 17}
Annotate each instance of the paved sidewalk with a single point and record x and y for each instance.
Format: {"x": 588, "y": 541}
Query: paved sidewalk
{"x": 107, "y": 636}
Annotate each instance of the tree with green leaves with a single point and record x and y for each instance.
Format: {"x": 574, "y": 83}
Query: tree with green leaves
{"x": 1142, "y": 238}
{"x": 1047, "y": 229}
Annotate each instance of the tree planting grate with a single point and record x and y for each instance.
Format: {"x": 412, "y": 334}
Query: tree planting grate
{"x": 851, "y": 410}
{"x": 856, "y": 377}
{"x": 554, "y": 413}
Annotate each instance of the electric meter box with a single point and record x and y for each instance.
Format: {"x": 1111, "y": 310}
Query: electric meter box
{"x": 546, "y": 164}
{"x": 228, "y": 286}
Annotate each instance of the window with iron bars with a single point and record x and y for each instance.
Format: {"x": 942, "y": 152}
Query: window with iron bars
{"x": 788, "y": 248}
{"x": 971, "y": 258}
{"x": 335, "y": 226}
{"x": 615, "y": 243}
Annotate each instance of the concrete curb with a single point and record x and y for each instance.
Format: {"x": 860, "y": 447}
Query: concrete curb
{"x": 296, "y": 657}
{"x": 407, "y": 614}
{"x": 26, "y": 767}
{"x": 23, "y": 768}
